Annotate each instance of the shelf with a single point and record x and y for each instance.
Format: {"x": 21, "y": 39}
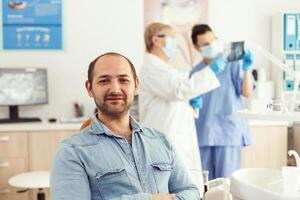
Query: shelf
{"x": 270, "y": 115}
{"x": 290, "y": 52}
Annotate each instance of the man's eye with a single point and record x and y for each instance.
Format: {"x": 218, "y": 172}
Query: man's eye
{"x": 124, "y": 80}
{"x": 103, "y": 81}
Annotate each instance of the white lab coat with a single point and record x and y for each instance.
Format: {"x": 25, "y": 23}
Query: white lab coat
{"x": 164, "y": 104}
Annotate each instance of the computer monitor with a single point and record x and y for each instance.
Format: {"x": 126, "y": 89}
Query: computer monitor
{"x": 22, "y": 87}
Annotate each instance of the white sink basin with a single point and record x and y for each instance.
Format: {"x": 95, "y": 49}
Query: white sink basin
{"x": 258, "y": 184}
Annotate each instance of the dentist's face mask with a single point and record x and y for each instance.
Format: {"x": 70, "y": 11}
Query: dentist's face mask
{"x": 212, "y": 50}
{"x": 169, "y": 47}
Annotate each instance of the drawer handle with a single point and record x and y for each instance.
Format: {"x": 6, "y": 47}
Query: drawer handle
{"x": 4, "y": 138}
{"x": 4, "y": 191}
{"x": 4, "y": 164}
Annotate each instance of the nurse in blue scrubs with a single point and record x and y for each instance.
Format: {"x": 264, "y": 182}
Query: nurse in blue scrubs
{"x": 221, "y": 133}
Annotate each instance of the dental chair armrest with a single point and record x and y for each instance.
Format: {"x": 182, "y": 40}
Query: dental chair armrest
{"x": 217, "y": 194}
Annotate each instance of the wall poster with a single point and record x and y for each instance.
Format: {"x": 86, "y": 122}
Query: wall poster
{"x": 32, "y": 24}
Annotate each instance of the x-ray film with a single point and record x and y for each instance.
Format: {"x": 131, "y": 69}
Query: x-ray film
{"x": 234, "y": 51}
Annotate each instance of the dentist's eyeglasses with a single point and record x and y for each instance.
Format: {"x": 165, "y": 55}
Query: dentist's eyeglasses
{"x": 161, "y": 35}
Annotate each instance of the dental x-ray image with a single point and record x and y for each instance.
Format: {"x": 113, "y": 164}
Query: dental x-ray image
{"x": 234, "y": 51}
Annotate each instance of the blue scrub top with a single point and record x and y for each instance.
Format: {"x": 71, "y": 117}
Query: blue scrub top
{"x": 218, "y": 124}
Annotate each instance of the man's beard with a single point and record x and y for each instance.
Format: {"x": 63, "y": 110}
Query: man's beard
{"x": 106, "y": 109}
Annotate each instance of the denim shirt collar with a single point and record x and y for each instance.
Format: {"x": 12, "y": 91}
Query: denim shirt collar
{"x": 98, "y": 128}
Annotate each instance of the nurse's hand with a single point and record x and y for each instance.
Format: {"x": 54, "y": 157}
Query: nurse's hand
{"x": 159, "y": 196}
{"x": 218, "y": 65}
{"x": 247, "y": 60}
{"x": 196, "y": 102}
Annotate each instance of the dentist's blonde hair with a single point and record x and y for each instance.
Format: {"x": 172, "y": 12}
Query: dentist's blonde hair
{"x": 152, "y": 30}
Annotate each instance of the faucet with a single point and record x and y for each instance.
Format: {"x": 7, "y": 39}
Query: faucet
{"x": 295, "y": 154}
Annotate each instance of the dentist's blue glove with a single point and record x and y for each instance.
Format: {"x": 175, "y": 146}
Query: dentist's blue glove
{"x": 196, "y": 102}
{"x": 247, "y": 60}
{"x": 218, "y": 65}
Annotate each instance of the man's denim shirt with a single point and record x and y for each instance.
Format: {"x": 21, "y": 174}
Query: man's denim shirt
{"x": 97, "y": 164}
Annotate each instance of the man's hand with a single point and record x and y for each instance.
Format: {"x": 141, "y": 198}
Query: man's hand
{"x": 163, "y": 196}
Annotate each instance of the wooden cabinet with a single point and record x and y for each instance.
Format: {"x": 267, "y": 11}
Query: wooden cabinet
{"x": 296, "y": 138}
{"x": 13, "y": 160}
{"x": 269, "y": 148}
{"x": 11, "y": 167}
{"x": 13, "y": 144}
{"x": 32, "y": 150}
{"x": 22, "y": 151}
{"x": 42, "y": 148}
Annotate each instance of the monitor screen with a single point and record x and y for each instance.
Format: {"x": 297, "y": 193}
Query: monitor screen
{"x": 23, "y": 86}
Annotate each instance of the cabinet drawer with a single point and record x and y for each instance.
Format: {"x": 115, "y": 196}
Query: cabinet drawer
{"x": 13, "y": 144}
{"x": 11, "y": 194}
{"x": 11, "y": 167}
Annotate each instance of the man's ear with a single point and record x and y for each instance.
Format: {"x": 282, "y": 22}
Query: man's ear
{"x": 88, "y": 87}
{"x": 137, "y": 87}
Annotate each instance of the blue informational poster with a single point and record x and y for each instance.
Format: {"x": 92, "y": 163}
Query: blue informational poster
{"x": 32, "y": 24}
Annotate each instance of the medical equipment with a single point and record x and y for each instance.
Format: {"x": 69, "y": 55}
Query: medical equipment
{"x": 218, "y": 188}
{"x": 295, "y": 74}
{"x": 22, "y": 87}
{"x": 286, "y": 47}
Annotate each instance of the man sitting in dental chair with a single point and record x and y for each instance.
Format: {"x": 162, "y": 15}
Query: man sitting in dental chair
{"x": 115, "y": 157}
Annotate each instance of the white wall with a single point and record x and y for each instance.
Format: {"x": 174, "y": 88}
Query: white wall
{"x": 90, "y": 29}
{"x": 98, "y": 26}
{"x": 248, "y": 19}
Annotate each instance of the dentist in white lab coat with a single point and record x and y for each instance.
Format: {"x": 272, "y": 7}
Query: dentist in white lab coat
{"x": 165, "y": 93}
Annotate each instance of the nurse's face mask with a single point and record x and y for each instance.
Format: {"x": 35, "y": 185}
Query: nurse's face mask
{"x": 212, "y": 50}
{"x": 208, "y": 45}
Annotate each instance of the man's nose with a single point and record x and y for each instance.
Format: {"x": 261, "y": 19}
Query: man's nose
{"x": 115, "y": 86}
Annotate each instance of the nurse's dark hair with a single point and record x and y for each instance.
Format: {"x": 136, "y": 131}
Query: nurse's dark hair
{"x": 199, "y": 29}
{"x": 92, "y": 65}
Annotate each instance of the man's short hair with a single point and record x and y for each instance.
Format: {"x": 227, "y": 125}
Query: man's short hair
{"x": 152, "y": 30}
{"x": 199, "y": 29}
{"x": 92, "y": 65}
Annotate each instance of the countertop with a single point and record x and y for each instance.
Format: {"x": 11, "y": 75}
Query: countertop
{"x": 270, "y": 118}
{"x": 40, "y": 126}
{"x": 74, "y": 126}
{"x": 267, "y": 123}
